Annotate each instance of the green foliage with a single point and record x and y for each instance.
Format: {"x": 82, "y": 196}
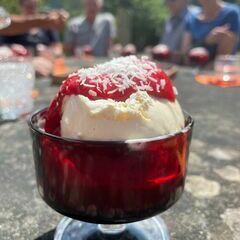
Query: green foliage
{"x": 10, "y": 5}
{"x": 112, "y": 5}
{"x": 75, "y": 7}
{"x": 147, "y": 19}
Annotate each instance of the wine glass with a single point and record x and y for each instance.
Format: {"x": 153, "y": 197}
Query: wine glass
{"x": 5, "y": 19}
{"x": 198, "y": 58}
{"x": 161, "y": 53}
{"x": 110, "y": 190}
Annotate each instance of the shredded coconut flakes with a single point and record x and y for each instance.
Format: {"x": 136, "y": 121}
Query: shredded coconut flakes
{"x": 121, "y": 72}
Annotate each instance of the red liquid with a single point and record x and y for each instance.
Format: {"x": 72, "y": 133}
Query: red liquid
{"x": 128, "y": 53}
{"x": 88, "y": 51}
{"x": 199, "y": 59}
{"x": 161, "y": 56}
{"x": 110, "y": 182}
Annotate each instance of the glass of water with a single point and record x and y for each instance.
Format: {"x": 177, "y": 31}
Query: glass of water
{"x": 227, "y": 68}
{"x": 5, "y": 19}
{"x": 17, "y": 79}
{"x": 227, "y": 64}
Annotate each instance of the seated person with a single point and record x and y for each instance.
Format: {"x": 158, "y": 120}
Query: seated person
{"x": 237, "y": 7}
{"x": 215, "y": 27}
{"x": 170, "y": 42}
{"x": 175, "y": 24}
{"x": 94, "y": 31}
{"x": 30, "y": 28}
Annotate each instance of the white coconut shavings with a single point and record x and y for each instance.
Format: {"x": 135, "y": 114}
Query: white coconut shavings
{"x": 120, "y": 73}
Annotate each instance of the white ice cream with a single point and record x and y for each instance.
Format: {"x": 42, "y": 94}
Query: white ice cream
{"x": 140, "y": 116}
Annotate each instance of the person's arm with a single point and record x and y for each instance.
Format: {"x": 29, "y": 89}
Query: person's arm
{"x": 226, "y": 36}
{"x": 69, "y": 38}
{"x": 186, "y": 42}
{"x": 185, "y": 46}
{"x": 164, "y": 38}
{"x": 228, "y": 44}
{"x": 55, "y": 43}
{"x": 113, "y": 31}
{"x": 21, "y": 24}
{"x": 57, "y": 48}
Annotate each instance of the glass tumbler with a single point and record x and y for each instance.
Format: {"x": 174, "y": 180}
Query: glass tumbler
{"x": 16, "y": 84}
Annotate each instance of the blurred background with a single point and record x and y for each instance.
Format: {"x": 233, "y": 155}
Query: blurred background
{"x": 136, "y": 16}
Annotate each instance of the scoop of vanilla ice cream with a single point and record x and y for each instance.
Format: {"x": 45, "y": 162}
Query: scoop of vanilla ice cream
{"x": 140, "y": 116}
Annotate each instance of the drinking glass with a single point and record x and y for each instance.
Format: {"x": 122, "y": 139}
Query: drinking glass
{"x": 16, "y": 80}
{"x": 228, "y": 67}
{"x": 226, "y": 72}
{"x": 228, "y": 64}
{"x": 5, "y": 19}
{"x": 110, "y": 190}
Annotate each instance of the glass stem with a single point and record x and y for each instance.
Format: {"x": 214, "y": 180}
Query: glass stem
{"x": 111, "y": 229}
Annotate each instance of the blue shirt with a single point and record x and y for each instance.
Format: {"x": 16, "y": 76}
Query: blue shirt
{"x": 200, "y": 29}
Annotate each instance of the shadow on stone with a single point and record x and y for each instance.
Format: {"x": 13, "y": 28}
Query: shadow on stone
{"x": 46, "y": 236}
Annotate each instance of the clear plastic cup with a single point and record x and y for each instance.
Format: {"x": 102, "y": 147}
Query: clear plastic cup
{"x": 17, "y": 79}
{"x": 227, "y": 64}
{"x": 227, "y": 70}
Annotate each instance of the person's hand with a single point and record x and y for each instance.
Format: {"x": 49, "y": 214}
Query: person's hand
{"x": 63, "y": 14}
{"x": 117, "y": 49}
{"x": 42, "y": 66}
{"x": 217, "y": 33}
{"x": 19, "y": 50}
{"x": 45, "y": 52}
{"x": 56, "y": 19}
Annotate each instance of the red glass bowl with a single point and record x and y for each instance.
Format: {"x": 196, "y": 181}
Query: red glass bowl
{"x": 110, "y": 182}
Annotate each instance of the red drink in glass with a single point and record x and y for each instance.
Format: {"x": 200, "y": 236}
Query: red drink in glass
{"x": 199, "y": 56}
{"x": 161, "y": 53}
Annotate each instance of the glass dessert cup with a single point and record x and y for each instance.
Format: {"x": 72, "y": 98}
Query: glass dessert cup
{"x": 108, "y": 187}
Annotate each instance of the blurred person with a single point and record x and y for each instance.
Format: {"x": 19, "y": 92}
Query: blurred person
{"x": 32, "y": 28}
{"x": 175, "y": 24}
{"x": 94, "y": 31}
{"x": 170, "y": 42}
{"x": 215, "y": 27}
{"x": 35, "y": 31}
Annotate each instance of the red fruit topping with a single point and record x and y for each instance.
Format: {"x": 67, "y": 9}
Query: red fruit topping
{"x": 116, "y": 80}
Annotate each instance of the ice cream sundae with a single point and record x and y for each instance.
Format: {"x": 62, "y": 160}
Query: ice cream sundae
{"x": 112, "y": 147}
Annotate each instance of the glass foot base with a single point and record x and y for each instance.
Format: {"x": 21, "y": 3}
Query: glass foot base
{"x": 150, "y": 229}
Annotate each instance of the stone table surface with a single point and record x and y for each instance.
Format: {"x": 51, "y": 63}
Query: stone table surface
{"x": 208, "y": 210}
